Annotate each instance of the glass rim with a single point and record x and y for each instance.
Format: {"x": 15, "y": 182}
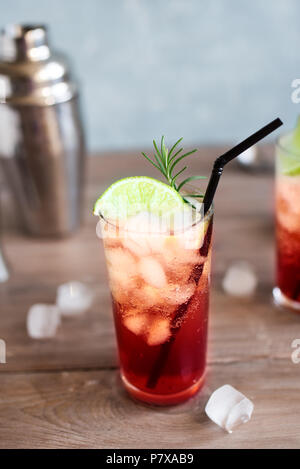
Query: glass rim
{"x": 279, "y": 144}
{"x": 208, "y": 216}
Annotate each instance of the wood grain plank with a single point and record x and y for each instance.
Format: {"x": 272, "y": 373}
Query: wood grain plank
{"x": 91, "y": 410}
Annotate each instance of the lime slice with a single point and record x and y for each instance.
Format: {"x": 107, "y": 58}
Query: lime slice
{"x": 290, "y": 153}
{"x": 133, "y": 195}
{"x": 289, "y": 162}
{"x": 289, "y": 166}
{"x": 296, "y": 138}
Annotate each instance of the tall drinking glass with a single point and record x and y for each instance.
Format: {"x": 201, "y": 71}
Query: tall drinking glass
{"x": 287, "y": 196}
{"x": 160, "y": 283}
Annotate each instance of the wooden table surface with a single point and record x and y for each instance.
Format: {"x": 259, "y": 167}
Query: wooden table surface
{"x": 65, "y": 392}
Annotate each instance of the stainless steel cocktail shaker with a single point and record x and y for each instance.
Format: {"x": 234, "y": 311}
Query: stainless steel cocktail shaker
{"x": 41, "y": 135}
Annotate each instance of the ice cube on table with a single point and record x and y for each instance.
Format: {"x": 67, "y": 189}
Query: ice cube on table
{"x": 152, "y": 272}
{"x": 240, "y": 280}
{"x": 73, "y": 298}
{"x": 228, "y": 408}
{"x": 42, "y": 321}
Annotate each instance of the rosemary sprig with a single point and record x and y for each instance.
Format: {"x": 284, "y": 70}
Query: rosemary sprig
{"x": 166, "y": 161}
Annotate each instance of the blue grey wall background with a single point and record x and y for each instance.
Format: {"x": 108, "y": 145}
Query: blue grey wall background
{"x": 207, "y": 70}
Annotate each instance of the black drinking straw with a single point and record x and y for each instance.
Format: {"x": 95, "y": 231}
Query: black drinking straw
{"x": 230, "y": 155}
{"x": 217, "y": 171}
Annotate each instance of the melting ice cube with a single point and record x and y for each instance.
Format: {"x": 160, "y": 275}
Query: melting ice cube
{"x": 144, "y": 222}
{"x": 240, "y": 280}
{"x": 178, "y": 294}
{"x": 136, "y": 323}
{"x": 119, "y": 258}
{"x": 138, "y": 245}
{"x": 42, "y": 321}
{"x": 142, "y": 233}
{"x": 73, "y": 298}
{"x": 152, "y": 272}
{"x": 159, "y": 332}
{"x": 229, "y": 408}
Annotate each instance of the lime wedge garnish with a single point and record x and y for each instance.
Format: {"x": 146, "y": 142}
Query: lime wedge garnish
{"x": 290, "y": 167}
{"x": 133, "y": 195}
{"x": 296, "y": 138}
{"x": 289, "y": 153}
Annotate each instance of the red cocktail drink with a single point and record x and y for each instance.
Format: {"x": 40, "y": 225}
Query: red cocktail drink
{"x": 160, "y": 289}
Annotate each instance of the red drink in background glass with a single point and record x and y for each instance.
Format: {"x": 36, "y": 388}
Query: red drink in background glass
{"x": 287, "y": 291}
{"x": 160, "y": 290}
{"x": 288, "y": 236}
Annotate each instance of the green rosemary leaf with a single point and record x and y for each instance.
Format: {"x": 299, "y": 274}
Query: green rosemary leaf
{"x": 164, "y": 151}
{"x": 188, "y": 202}
{"x": 174, "y": 156}
{"x": 181, "y": 158}
{"x": 159, "y": 163}
{"x": 179, "y": 172}
{"x": 174, "y": 146}
{"x": 155, "y": 146}
{"x": 161, "y": 145}
{"x": 166, "y": 161}
{"x": 152, "y": 162}
{"x": 191, "y": 178}
{"x": 194, "y": 195}
{"x": 158, "y": 153}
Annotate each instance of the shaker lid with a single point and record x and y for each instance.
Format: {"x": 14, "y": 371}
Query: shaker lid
{"x": 30, "y": 74}
{"x": 27, "y": 42}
